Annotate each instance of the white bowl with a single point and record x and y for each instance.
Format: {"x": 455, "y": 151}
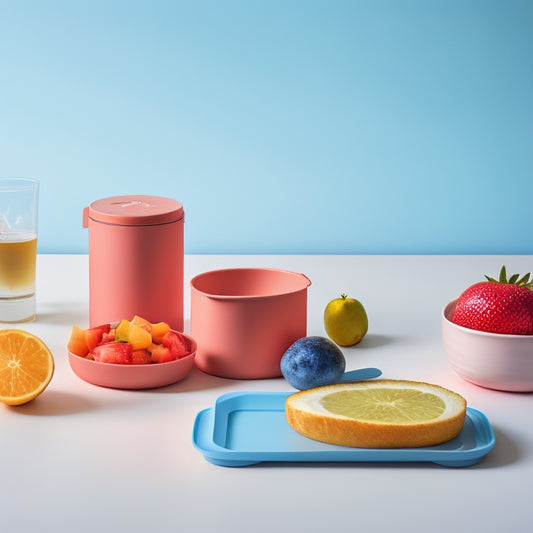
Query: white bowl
{"x": 491, "y": 360}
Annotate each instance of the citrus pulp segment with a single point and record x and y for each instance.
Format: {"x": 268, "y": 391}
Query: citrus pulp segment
{"x": 388, "y": 405}
{"x": 26, "y": 366}
{"x": 378, "y": 414}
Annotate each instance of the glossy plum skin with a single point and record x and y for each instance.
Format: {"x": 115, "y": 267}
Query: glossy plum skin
{"x": 312, "y": 362}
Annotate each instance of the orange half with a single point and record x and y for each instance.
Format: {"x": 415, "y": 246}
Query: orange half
{"x": 26, "y": 366}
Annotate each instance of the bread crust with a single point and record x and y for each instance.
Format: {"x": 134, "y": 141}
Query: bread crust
{"x": 352, "y": 432}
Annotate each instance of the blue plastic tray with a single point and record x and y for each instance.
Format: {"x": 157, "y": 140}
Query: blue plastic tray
{"x": 245, "y": 428}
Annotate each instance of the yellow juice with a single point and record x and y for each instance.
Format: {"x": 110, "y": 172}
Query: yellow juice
{"x": 18, "y": 252}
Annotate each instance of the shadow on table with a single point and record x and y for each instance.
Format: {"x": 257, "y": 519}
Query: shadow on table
{"x": 54, "y": 403}
{"x": 372, "y": 340}
{"x": 200, "y": 381}
{"x": 505, "y": 451}
{"x": 61, "y": 314}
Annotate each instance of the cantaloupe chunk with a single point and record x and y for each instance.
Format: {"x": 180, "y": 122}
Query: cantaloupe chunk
{"x": 158, "y": 331}
{"x": 77, "y": 343}
{"x": 142, "y": 322}
{"x": 160, "y": 354}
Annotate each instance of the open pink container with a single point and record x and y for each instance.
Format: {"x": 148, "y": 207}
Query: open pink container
{"x": 135, "y": 259}
{"x": 244, "y": 319}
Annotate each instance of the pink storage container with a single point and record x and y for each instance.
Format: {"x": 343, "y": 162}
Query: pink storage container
{"x": 244, "y": 319}
{"x": 135, "y": 259}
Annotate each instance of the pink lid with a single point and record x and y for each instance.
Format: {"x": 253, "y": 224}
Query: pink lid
{"x": 134, "y": 210}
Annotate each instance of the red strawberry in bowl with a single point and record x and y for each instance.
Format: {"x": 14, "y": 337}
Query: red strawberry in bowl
{"x": 497, "y": 306}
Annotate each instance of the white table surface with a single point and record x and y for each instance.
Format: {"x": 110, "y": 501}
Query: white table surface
{"x": 81, "y": 458}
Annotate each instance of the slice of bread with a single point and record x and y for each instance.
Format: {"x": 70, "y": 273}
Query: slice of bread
{"x": 377, "y": 414}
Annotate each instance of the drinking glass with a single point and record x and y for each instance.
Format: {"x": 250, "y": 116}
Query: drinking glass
{"x": 19, "y": 200}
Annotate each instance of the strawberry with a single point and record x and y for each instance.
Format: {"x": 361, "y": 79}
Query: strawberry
{"x": 497, "y": 306}
{"x": 114, "y": 352}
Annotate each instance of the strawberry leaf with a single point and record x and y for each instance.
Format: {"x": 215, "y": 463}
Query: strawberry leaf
{"x": 524, "y": 280}
{"x": 503, "y": 275}
{"x": 513, "y": 278}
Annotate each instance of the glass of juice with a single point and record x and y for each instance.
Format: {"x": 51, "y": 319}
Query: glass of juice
{"x": 19, "y": 201}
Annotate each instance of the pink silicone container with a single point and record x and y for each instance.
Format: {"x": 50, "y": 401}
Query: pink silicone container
{"x": 135, "y": 259}
{"x": 244, "y": 320}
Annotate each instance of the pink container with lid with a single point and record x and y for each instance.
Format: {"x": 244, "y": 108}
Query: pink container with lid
{"x": 135, "y": 259}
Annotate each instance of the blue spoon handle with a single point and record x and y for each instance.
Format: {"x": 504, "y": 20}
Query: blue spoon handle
{"x": 360, "y": 374}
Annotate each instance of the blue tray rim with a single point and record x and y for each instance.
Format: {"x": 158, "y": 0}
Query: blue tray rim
{"x": 222, "y": 456}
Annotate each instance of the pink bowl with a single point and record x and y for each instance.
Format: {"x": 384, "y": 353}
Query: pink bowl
{"x": 491, "y": 360}
{"x": 134, "y": 376}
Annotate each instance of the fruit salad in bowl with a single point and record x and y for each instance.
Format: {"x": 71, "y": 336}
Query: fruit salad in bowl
{"x": 488, "y": 333}
{"x": 131, "y": 354}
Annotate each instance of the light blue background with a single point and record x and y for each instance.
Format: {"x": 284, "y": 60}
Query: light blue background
{"x": 283, "y": 126}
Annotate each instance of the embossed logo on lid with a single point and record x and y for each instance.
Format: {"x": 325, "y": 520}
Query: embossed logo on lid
{"x": 134, "y": 210}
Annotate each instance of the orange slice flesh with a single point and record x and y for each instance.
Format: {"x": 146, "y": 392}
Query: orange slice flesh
{"x": 26, "y": 366}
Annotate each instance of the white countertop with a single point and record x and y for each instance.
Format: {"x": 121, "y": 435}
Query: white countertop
{"x": 87, "y": 459}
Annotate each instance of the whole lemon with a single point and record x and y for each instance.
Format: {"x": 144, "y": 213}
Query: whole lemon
{"x": 345, "y": 320}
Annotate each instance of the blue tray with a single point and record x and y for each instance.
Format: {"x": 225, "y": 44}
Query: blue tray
{"x": 246, "y": 428}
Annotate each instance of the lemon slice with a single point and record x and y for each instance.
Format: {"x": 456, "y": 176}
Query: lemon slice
{"x": 377, "y": 414}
